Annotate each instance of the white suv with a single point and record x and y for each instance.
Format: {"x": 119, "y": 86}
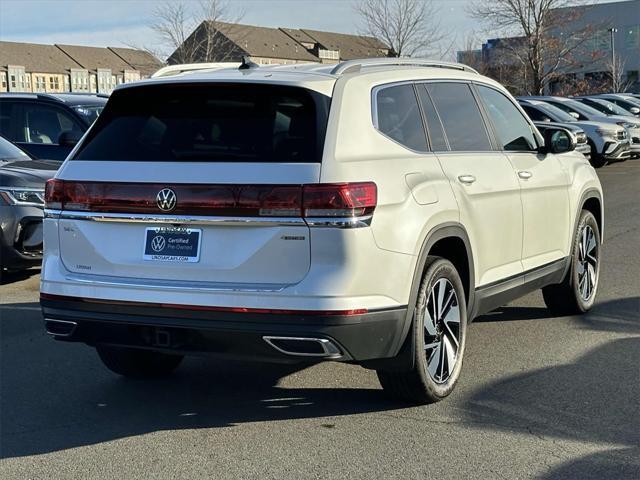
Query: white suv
{"x": 364, "y": 212}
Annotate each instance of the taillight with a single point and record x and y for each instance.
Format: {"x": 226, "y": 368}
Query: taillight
{"x": 54, "y": 194}
{"x": 339, "y": 200}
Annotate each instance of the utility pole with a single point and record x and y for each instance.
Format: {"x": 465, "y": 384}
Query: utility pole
{"x": 614, "y": 72}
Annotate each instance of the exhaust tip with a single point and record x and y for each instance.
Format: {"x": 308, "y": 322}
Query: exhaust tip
{"x": 304, "y": 346}
{"x": 59, "y": 328}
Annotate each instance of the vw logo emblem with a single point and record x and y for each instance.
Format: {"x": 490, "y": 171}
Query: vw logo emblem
{"x": 158, "y": 243}
{"x": 166, "y": 199}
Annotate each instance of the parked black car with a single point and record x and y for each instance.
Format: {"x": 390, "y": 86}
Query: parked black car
{"x": 48, "y": 125}
{"x": 22, "y": 182}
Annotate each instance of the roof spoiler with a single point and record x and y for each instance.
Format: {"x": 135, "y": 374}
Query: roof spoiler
{"x": 172, "y": 70}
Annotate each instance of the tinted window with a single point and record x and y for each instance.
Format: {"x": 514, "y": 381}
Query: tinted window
{"x": 460, "y": 116}
{"x": 43, "y": 124}
{"x": 535, "y": 114}
{"x": 398, "y": 116}
{"x": 513, "y": 131}
{"x": 89, "y": 112}
{"x": 434, "y": 126}
{"x": 226, "y": 123}
{"x": 7, "y": 120}
{"x": 554, "y": 113}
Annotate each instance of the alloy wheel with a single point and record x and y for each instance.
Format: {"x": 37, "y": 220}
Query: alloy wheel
{"x": 587, "y": 263}
{"x": 441, "y": 330}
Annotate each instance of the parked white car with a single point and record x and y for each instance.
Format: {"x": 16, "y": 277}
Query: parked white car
{"x": 607, "y": 142}
{"x": 363, "y": 212}
{"x": 584, "y": 112}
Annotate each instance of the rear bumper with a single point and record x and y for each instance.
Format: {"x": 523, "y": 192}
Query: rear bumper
{"x": 182, "y": 329}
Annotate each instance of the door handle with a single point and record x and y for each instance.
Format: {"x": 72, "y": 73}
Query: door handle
{"x": 467, "y": 179}
{"x": 524, "y": 174}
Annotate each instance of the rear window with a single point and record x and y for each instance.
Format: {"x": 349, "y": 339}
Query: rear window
{"x": 212, "y": 122}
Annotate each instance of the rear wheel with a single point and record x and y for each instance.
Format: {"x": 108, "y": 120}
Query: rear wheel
{"x": 137, "y": 363}
{"x": 439, "y": 332}
{"x": 577, "y": 292}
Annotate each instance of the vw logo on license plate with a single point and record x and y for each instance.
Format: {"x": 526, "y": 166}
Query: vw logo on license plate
{"x": 158, "y": 243}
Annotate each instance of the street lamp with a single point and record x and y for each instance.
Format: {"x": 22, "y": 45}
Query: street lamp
{"x": 614, "y": 72}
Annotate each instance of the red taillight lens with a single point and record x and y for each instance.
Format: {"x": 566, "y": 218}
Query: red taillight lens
{"x": 339, "y": 200}
{"x": 322, "y": 200}
{"x": 54, "y": 194}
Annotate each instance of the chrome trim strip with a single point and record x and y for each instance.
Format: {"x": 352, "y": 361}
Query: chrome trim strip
{"x": 108, "y": 281}
{"x": 177, "y": 219}
{"x": 350, "y": 222}
{"x": 330, "y": 350}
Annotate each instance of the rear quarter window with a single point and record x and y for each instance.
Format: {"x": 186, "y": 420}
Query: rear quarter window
{"x": 210, "y": 122}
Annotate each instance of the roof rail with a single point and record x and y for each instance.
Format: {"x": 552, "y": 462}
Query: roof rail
{"x": 354, "y": 66}
{"x": 191, "y": 67}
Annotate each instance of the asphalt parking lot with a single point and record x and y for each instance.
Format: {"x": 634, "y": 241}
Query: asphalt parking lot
{"x": 539, "y": 397}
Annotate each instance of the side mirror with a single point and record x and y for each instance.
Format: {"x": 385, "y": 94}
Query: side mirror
{"x": 575, "y": 115}
{"x": 635, "y": 110}
{"x": 558, "y": 140}
{"x": 68, "y": 139}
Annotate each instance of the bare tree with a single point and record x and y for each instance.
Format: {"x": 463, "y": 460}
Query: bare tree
{"x": 616, "y": 71}
{"x": 190, "y": 35}
{"x": 408, "y": 27}
{"x": 542, "y": 44}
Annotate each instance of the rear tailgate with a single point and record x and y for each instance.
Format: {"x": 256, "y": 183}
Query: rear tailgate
{"x": 213, "y": 169}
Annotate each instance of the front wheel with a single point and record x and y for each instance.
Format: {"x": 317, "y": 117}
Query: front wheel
{"x": 138, "y": 363}
{"x": 438, "y": 334}
{"x": 595, "y": 158}
{"x": 577, "y": 292}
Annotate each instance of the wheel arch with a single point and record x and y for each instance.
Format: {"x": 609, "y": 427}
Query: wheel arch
{"x": 592, "y": 201}
{"x": 450, "y": 241}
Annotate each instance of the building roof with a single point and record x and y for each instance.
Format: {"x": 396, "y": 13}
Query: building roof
{"x": 350, "y": 46}
{"x": 264, "y": 42}
{"x": 35, "y": 57}
{"x": 298, "y": 35}
{"x": 143, "y": 61}
{"x": 93, "y": 58}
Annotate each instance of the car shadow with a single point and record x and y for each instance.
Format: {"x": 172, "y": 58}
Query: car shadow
{"x": 12, "y": 276}
{"x": 621, "y": 315}
{"x": 57, "y": 395}
{"x": 592, "y": 399}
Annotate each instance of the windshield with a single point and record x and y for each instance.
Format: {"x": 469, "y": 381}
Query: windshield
{"x": 8, "y": 151}
{"x": 607, "y": 107}
{"x": 215, "y": 123}
{"x": 582, "y": 108}
{"x": 89, "y": 112}
{"x": 555, "y": 113}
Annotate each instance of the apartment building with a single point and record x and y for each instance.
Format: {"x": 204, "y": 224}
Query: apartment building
{"x": 29, "y": 67}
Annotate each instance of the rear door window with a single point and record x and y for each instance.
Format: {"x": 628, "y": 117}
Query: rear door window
{"x": 212, "y": 122}
{"x": 463, "y": 124}
{"x": 398, "y": 116}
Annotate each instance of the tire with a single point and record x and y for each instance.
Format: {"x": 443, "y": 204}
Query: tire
{"x": 574, "y": 296}
{"x": 596, "y": 160}
{"x": 138, "y": 363}
{"x": 423, "y": 383}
